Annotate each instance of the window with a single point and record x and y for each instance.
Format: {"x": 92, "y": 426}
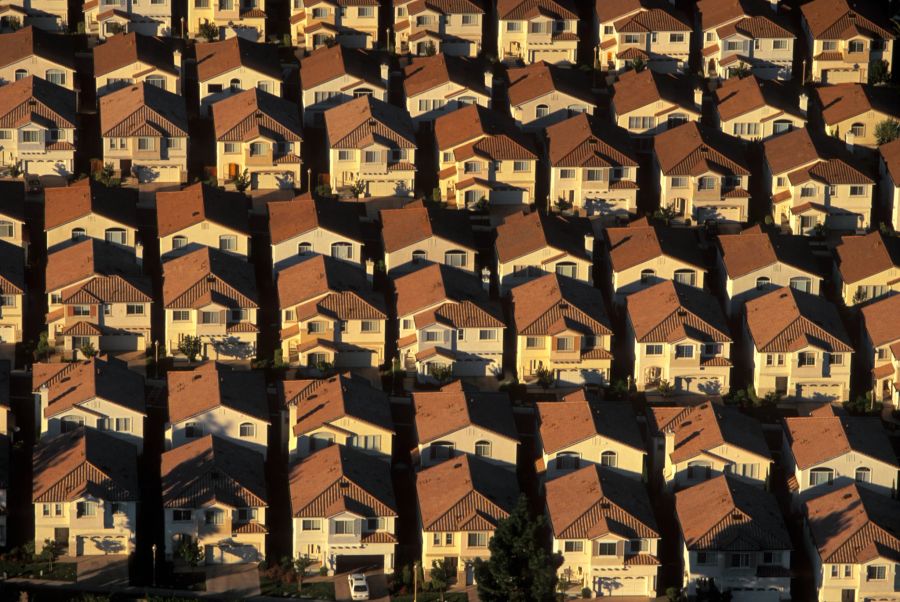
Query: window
{"x": 81, "y": 310}
{"x": 231, "y": 148}
{"x": 228, "y": 242}
{"x": 762, "y": 282}
{"x": 806, "y": 358}
{"x": 366, "y": 12}
{"x": 567, "y": 268}
{"x": 679, "y": 182}
{"x": 771, "y": 558}
{"x": 835, "y": 359}
{"x": 593, "y": 175}
{"x": 676, "y": 38}
{"x": 315, "y": 327}
{"x": 370, "y": 326}
{"x": 31, "y": 136}
{"x": 487, "y": 335}
{"x": 654, "y": 349}
{"x": 343, "y": 527}
{"x": 857, "y": 46}
{"x": 123, "y": 425}
{"x": 247, "y": 429}
{"x": 781, "y": 126}
{"x": 116, "y": 235}
{"x": 214, "y": 517}
{"x": 520, "y": 166}
{"x": 779, "y": 44}
{"x": 706, "y": 183}
{"x": 712, "y": 349}
{"x": 134, "y": 309}
{"x": 573, "y": 546}
{"x": 632, "y": 38}
{"x": 257, "y": 149}
{"x": 55, "y": 76}
{"x": 684, "y": 351}
{"x": 477, "y": 540}
{"x": 7, "y": 300}
{"x": 858, "y": 130}
{"x": 468, "y": 19}
{"x": 456, "y": 259}
{"x": 483, "y": 448}
{"x": 21, "y": 74}
{"x": 565, "y": 344}
{"x": 640, "y": 123}
{"x": 181, "y": 516}
{"x": 740, "y": 560}
{"x": 647, "y": 276}
{"x": 636, "y": 546}
{"x": 533, "y": 343}
{"x": 146, "y": 144}
{"x": 441, "y": 450}
{"x": 688, "y": 277}
{"x": 431, "y": 336}
{"x": 609, "y": 458}
{"x": 863, "y": 475}
{"x": 801, "y": 283}
{"x": 606, "y": 548}
{"x": 566, "y": 174}
{"x": 706, "y": 558}
{"x": 342, "y": 250}
{"x": 820, "y": 476}
{"x": 877, "y": 572}
{"x": 568, "y": 461}
{"x": 513, "y": 26}
{"x": 857, "y": 190}
{"x": 86, "y": 509}
{"x": 699, "y": 470}
{"x": 246, "y": 514}
{"x": 541, "y": 111}
{"x": 181, "y": 315}
{"x": 209, "y": 317}
{"x": 370, "y": 442}
{"x": 371, "y": 156}
{"x": 746, "y": 129}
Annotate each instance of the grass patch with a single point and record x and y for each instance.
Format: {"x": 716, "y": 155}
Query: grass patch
{"x": 316, "y": 590}
{"x": 62, "y": 571}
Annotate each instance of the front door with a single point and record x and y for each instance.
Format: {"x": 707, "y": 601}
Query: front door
{"x": 454, "y": 562}
{"x": 848, "y": 595}
{"x": 781, "y": 383}
{"x": 61, "y": 537}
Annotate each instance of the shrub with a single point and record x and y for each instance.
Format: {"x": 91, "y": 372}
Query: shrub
{"x": 585, "y": 592}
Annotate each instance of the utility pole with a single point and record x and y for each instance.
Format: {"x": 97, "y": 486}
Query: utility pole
{"x": 415, "y": 581}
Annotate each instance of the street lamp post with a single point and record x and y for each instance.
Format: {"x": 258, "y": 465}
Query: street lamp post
{"x": 153, "y": 578}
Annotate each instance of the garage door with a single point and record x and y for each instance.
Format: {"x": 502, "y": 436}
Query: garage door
{"x": 348, "y": 563}
{"x": 819, "y": 391}
{"x": 353, "y": 359}
{"x": 225, "y": 553}
{"x": 272, "y": 181}
{"x": 621, "y": 586}
{"x": 95, "y": 546}
{"x": 46, "y": 168}
{"x": 7, "y": 334}
{"x": 167, "y": 173}
{"x": 549, "y": 56}
{"x": 844, "y": 221}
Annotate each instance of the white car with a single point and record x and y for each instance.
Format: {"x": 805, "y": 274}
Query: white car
{"x": 359, "y": 589}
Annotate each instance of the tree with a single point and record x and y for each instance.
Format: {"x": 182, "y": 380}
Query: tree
{"x": 520, "y": 569}
{"x": 87, "y": 350}
{"x": 241, "y": 181}
{"x": 42, "y": 349}
{"x": 665, "y": 214}
{"x": 190, "y": 346}
{"x": 52, "y": 550}
{"x": 430, "y": 49}
{"x": 443, "y": 573}
{"x": 879, "y": 72}
{"x": 359, "y": 188}
{"x": 191, "y": 552}
{"x": 209, "y": 31}
{"x": 887, "y": 131}
{"x": 302, "y": 563}
{"x": 544, "y": 377}
{"x": 665, "y": 388}
{"x": 638, "y": 65}
{"x": 106, "y": 175}
{"x": 441, "y": 372}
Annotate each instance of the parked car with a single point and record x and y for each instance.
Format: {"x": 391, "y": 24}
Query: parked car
{"x": 359, "y": 589}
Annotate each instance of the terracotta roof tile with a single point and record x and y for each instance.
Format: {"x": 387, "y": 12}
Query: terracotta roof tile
{"x": 581, "y": 142}
{"x": 860, "y": 257}
{"x": 834, "y": 19}
{"x": 441, "y": 289}
{"x": 668, "y": 312}
{"x": 94, "y": 271}
{"x": 323, "y": 401}
{"x": 521, "y": 234}
{"x": 303, "y": 215}
{"x": 86, "y": 197}
{"x": 528, "y": 9}
{"x": 199, "y": 203}
{"x": 787, "y": 320}
{"x": 738, "y": 96}
{"x": 566, "y": 423}
{"x": 401, "y": 228}
{"x": 212, "y": 385}
{"x": 192, "y": 279}
{"x": 636, "y": 89}
{"x": 324, "y": 285}
{"x": 540, "y": 304}
{"x": 817, "y": 439}
{"x": 754, "y": 249}
{"x": 216, "y": 58}
{"x": 28, "y": 41}
{"x": 33, "y": 99}
{"x": 82, "y": 382}
{"x": 880, "y": 320}
{"x": 428, "y": 72}
{"x": 890, "y": 154}
{"x": 451, "y": 409}
{"x": 640, "y": 242}
{"x": 12, "y": 269}
{"x": 326, "y": 64}
{"x": 365, "y": 120}
{"x": 490, "y": 132}
{"x": 660, "y": 18}
{"x": 845, "y": 101}
{"x": 539, "y": 79}
{"x": 129, "y": 111}
{"x": 446, "y": 7}
{"x": 253, "y": 113}
{"x": 130, "y": 48}
{"x": 692, "y": 149}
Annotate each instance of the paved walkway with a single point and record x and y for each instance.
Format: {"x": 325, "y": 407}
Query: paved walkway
{"x": 238, "y": 580}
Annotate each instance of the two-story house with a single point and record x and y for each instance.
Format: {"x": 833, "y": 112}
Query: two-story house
{"x": 703, "y": 174}
{"x": 541, "y": 30}
{"x": 753, "y": 262}
{"x": 563, "y": 333}
{"x": 210, "y": 295}
{"x": 866, "y": 267}
{"x": 85, "y": 493}
{"x": 98, "y": 299}
{"x": 318, "y": 23}
{"x": 844, "y": 40}
{"x": 330, "y": 315}
{"x": 852, "y": 112}
{"x": 733, "y": 538}
{"x": 342, "y": 409}
{"x": 13, "y": 227}
{"x": 529, "y": 245}
{"x": 574, "y": 432}
{"x": 447, "y": 321}
{"x": 213, "y": 399}
{"x": 88, "y": 209}
{"x": 416, "y": 234}
{"x": 332, "y": 76}
{"x": 38, "y": 127}
{"x": 889, "y": 184}
{"x": 460, "y": 503}
{"x": 200, "y": 215}
{"x": 797, "y": 346}
{"x": 234, "y": 65}
{"x": 852, "y": 543}
{"x": 47, "y": 15}
{"x": 750, "y": 109}
{"x": 99, "y": 392}
{"x": 603, "y": 527}
{"x": 371, "y": 148}
{"x": 637, "y": 32}
{"x": 107, "y": 18}
{"x": 746, "y": 35}
{"x": 696, "y": 443}
{"x": 592, "y": 168}
{"x": 343, "y": 508}
{"x": 679, "y": 336}
{"x": 642, "y": 254}
{"x": 483, "y": 158}
{"x": 541, "y": 94}
{"x": 434, "y": 85}
{"x": 454, "y": 421}
{"x": 880, "y": 346}
{"x": 646, "y": 103}
{"x": 258, "y": 139}
{"x": 304, "y": 226}
{"x": 814, "y": 183}
{"x": 12, "y": 292}
{"x": 144, "y": 133}
{"x": 214, "y": 496}
{"x": 244, "y": 19}
{"x": 132, "y": 58}
{"x": 31, "y": 51}
{"x": 448, "y": 27}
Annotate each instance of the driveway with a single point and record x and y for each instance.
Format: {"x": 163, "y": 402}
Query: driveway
{"x": 109, "y": 570}
{"x": 377, "y": 587}
{"x": 235, "y": 580}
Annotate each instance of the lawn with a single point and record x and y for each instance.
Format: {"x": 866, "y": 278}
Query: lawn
{"x": 320, "y": 590}
{"x": 62, "y": 571}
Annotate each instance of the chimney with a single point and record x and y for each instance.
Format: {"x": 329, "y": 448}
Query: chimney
{"x": 668, "y": 448}
{"x": 385, "y": 74}
{"x": 803, "y": 102}
{"x": 488, "y": 80}
{"x": 176, "y": 58}
{"x": 698, "y": 98}
{"x": 370, "y": 270}
{"x": 589, "y": 245}
{"x": 486, "y": 280}
{"x": 773, "y": 4}
{"x": 851, "y": 141}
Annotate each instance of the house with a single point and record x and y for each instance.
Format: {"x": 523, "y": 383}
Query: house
{"x": 343, "y": 409}
{"x": 234, "y": 65}
{"x": 449, "y": 27}
{"x": 746, "y": 36}
{"x": 563, "y": 333}
{"x": 889, "y": 170}
{"x": 85, "y": 493}
{"x": 679, "y": 336}
{"x": 213, "y": 399}
{"x": 845, "y": 40}
{"x": 371, "y": 148}
{"x": 417, "y": 234}
{"x": 880, "y": 346}
{"x": 343, "y": 509}
{"x": 483, "y": 159}
{"x": 866, "y": 267}
{"x": 32, "y": 51}
{"x": 97, "y": 298}
{"x": 214, "y": 496}
{"x": 332, "y": 76}
{"x": 318, "y": 23}
{"x": 258, "y": 139}
{"x": 108, "y": 19}
{"x": 144, "y": 131}
{"x": 642, "y": 254}
{"x": 814, "y": 182}
{"x": 232, "y": 19}
{"x": 825, "y": 451}
{"x": 88, "y": 209}
{"x": 638, "y": 32}
{"x": 461, "y": 501}
{"x": 852, "y": 112}
{"x": 7, "y": 420}
{"x": 750, "y": 108}
{"x": 542, "y": 30}
{"x": 752, "y": 262}
{"x": 798, "y": 347}
{"x": 12, "y": 293}
{"x": 541, "y": 94}
{"x": 100, "y": 392}
{"x": 733, "y": 538}
{"x": 851, "y": 534}
{"x": 693, "y": 444}
{"x": 5, "y": 471}
{"x": 646, "y": 103}
{"x": 330, "y": 314}
{"x": 592, "y": 168}
{"x": 604, "y": 529}
{"x": 305, "y": 226}
{"x": 447, "y": 324}
{"x": 574, "y": 432}
{"x": 38, "y": 127}
{"x": 131, "y": 58}
{"x": 47, "y": 15}
{"x": 435, "y": 85}
{"x": 200, "y": 215}
{"x": 210, "y": 296}
{"x": 703, "y": 174}
{"x": 529, "y": 245}
{"x": 13, "y": 228}
{"x": 454, "y": 421}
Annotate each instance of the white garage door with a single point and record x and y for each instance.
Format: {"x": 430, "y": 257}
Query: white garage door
{"x": 167, "y": 173}
{"x": 549, "y": 56}
{"x": 272, "y": 180}
{"x": 620, "y": 586}
{"x": 819, "y": 391}
{"x": 7, "y": 334}
{"x": 231, "y": 553}
{"x": 46, "y": 168}
{"x": 844, "y": 221}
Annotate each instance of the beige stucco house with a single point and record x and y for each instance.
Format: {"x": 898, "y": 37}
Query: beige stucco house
{"x": 889, "y": 184}
{"x": 435, "y": 85}
{"x": 879, "y": 346}
{"x": 752, "y": 108}
{"x": 231, "y": 66}
{"x": 12, "y": 292}
{"x": 542, "y": 30}
{"x": 332, "y": 76}
{"x": 31, "y": 51}
{"x": 866, "y": 267}
{"x": 133, "y": 58}
{"x": 416, "y": 234}
{"x": 107, "y": 18}
{"x": 202, "y": 216}
{"x": 450, "y": 27}
{"x": 852, "y": 112}
{"x": 541, "y": 94}
{"x": 88, "y": 209}
{"x": 633, "y": 32}
{"x": 13, "y": 228}
{"x": 244, "y": 19}
{"x": 318, "y": 23}
{"x": 48, "y": 15}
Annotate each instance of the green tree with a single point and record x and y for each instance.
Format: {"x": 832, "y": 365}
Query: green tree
{"x": 887, "y": 131}
{"x": 665, "y": 388}
{"x": 879, "y": 72}
{"x": 638, "y": 65}
{"x": 441, "y": 372}
{"x": 191, "y": 552}
{"x": 43, "y": 348}
{"x": 242, "y": 181}
{"x": 544, "y": 377}
{"x": 209, "y": 31}
{"x": 52, "y": 550}
{"x": 520, "y": 568}
{"x": 443, "y": 573}
{"x": 190, "y": 346}
{"x": 87, "y": 350}
{"x": 665, "y": 214}
{"x": 106, "y": 175}
{"x": 300, "y": 565}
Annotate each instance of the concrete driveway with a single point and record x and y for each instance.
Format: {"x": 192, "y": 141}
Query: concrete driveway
{"x": 377, "y": 587}
{"x": 110, "y": 570}
{"x": 235, "y": 580}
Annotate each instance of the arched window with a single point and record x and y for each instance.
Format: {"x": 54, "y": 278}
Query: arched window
{"x": 568, "y": 461}
{"x": 483, "y": 448}
{"x": 688, "y": 277}
{"x": 863, "y": 475}
{"x": 441, "y": 450}
{"x": 762, "y": 282}
{"x": 567, "y": 268}
{"x": 304, "y": 248}
{"x": 542, "y": 111}
{"x": 78, "y": 233}
{"x": 647, "y": 276}
{"x": 609, "y": 458}
{"x": 456, "y": 259}
{"x": 801, "y": 283}
{"x": 820, "y": 476}
{"x": 419, "y": 256}
{"x": 247, "y": 429}
{"x": 676, "y": 119}
{"x": 235, "y": 85}
{"x": 70, "y": 423}
{"x": 699, "y": 470}
{"x": 781, "y": 126}
{"x": 858, "y": 129}
{"x": 179, "y": 242}
{"x": 321, "y": 441}
{"x": 115, "y": 235}
{"x": 157, "y": 81}
{"x": 362, "y": 92}
{"x": 342, "y": 250}
{"x": 56, "y": 76}
{"x": 21, "y": 74}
